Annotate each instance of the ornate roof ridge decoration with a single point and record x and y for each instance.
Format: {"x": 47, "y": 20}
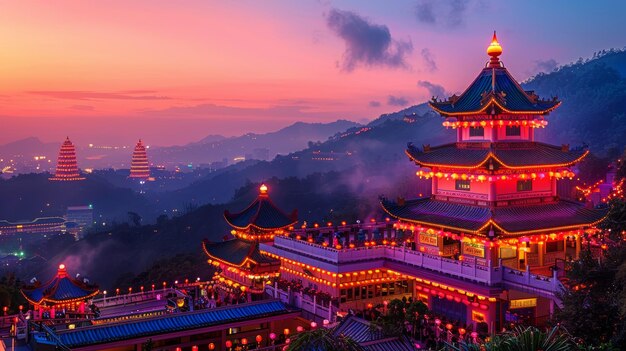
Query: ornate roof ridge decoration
{"x": 60, "y": 289}
{"x": 511, "y": 220}
{"x": 494, "y": 90}
{"x": 512, "y": 155}
{"x": 261, "y": 214}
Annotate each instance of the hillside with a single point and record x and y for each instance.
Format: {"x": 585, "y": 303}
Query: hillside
{"x": 593, "y": 111}
{"x": 289, "y": 139}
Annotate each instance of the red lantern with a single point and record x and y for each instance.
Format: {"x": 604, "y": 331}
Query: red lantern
{"x": 211, "y": 346}
{"x": 259, "y": 338}
{"x": 272, "y": 336}
{"x": 229, "y": 343}
{"x": 244, "y": 341}
{"x": 194, "y": 348}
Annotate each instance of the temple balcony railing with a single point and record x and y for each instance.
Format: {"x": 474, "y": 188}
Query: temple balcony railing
{"x": 372, "y": 257}
{"x": 407, "y": 261}
{"x": 311, "y": 308}
{"x": 122, "y": 299}
{"x": 533, "y": 283}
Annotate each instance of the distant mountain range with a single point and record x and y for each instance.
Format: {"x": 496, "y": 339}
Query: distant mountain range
{"x": 209, "y": 149}
{"x": 215, "y": 148}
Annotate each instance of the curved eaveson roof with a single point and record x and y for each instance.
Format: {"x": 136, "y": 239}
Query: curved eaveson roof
{"x": 261, "y": 214}
{"x": 61, "y": 288}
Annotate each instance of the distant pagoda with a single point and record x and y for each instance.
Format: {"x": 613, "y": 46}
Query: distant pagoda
{"x": 67, "y": 167}
{"x": 139, "y": 168}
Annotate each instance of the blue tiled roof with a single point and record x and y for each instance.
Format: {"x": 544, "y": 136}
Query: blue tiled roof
{"x": 515, "y": 219}
{"x": 358, "y": 329}
{"x": 170, "y": 323}
{"x": 58, "y": 289}
{"x": 261, "y": 214}
{"x": 516, "y": 154}
{"x": 371, "y": 339}
{"x": 504, "y": 89}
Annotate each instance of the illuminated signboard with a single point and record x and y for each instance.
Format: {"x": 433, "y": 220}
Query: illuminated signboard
{"x": 478, "y": 317}
{"x": 522, "y": 303}
{"x": 474, "y": 249}
{"x": 428, "y": 238}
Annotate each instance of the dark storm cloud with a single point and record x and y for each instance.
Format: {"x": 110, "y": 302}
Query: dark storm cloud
{"x": 435, "y": 90}
{"x": 429, "y": 60}
{"x": 374, "y": 103}
{"x": 545, "y": 65}
{"x": 367, "y": 44}
{"x": 397, "y": 101}
{"x": 448, "y": 13}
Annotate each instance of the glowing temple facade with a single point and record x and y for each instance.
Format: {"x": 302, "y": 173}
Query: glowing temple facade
{"x": 67, "y": 166}
{"x": 485, "y": 248}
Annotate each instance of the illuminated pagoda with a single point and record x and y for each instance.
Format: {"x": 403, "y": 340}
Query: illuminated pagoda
{"x": 485, "y": 248}
{"x": 67, "y": 167}
{"x": 60, "y": 297}
{"x": 139, "y": 167}
{"x": 240, "y": 263}
{"x": 494, "y": 191}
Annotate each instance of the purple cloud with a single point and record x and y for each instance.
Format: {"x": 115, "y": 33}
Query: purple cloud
{"x": 367, "y": 44}
{"x": 429, "y": 60}
{"x": 374, "y": 104}
{"x": 448, "y": 13}
{"x": 435, "y": 90}
{"x": 397, "y": 101}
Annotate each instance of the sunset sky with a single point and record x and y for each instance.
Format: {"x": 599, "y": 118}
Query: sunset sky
{"x": 174, "y": 71}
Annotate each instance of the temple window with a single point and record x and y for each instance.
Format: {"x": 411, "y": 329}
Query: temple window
{"x": 524, "y": 185}
{"x": 461, "y": 184}
{"x": 477, "y": 132}
{"x": 513, "y": 131}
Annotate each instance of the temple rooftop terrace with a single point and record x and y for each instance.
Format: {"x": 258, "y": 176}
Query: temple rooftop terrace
{"x": 381, "y": 245}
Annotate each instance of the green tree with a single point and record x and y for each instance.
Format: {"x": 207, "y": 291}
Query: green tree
{"x": 524, "y": 339}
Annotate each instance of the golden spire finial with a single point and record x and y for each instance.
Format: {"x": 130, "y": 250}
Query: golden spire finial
{"x": 263, "y": 189}
{"x": 494, "y": 49}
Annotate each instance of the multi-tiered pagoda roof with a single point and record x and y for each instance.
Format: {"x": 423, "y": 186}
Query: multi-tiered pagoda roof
{"x": 67, "y": 166}
{"x": 139, "y": 166}
{"x": 509, "y": 220}
{"x": 262, "y": 215}
{"x": 490, "y": 107}
{"x": 60, "y": 289}
{"x": 509, "y": 155}
{"x": 259, "y": 221}
{"x": 494, "y": 91}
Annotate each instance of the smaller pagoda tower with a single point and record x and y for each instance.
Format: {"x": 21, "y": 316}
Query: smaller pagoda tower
{"x": 139, "y": 167}
{"x": 67, "y": 167}
{"x": 241, "y": 266}
{"x": 60, "y": 297}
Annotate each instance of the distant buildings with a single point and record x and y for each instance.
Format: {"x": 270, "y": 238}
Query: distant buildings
{"x": 45, "y": 225}
{"x": 67, "y": 167}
